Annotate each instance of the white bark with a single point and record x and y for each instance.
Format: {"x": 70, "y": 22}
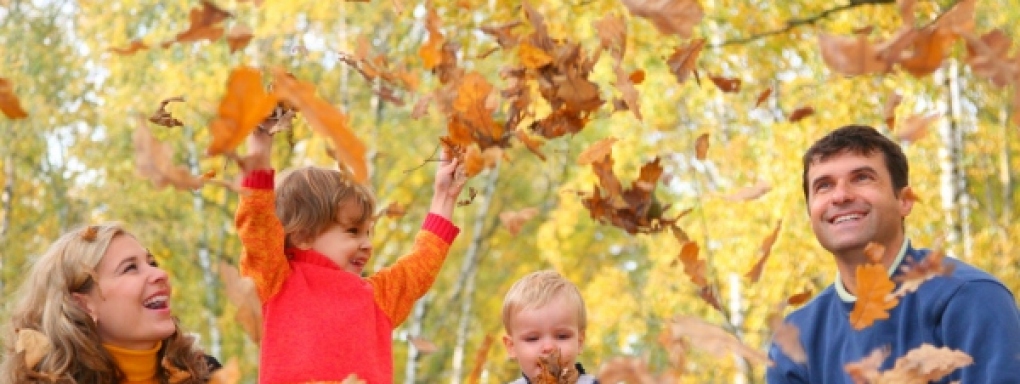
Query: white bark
{"x": 204, "y": 259}
{"x": 953, "y": 179}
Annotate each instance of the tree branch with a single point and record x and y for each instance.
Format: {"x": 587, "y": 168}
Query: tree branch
{"x": 794, "y": 23}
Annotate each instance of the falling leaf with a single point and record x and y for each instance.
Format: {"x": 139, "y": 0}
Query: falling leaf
{"x": 787, "y": 337}
{"x": 915, "y": 127}
{"x": 627, "y": 89}
{"x": 865, "y": 371}
{"x": 913, "y": 273}
{"x": 597, "y": 151}
{"x": 926, "y": 364}
{"x": 889, "y": 110}
{"x": 681, "y": 62}
{"x": 245, "y": 105}
{"x": 238, "y": 37}
{"x": 766, "y": 249}
{"x": 533, "y": 145}
{"x": 851, "y": 55}
{"x": 988, "y": 57}
{"x": 163, "y": 117}
{"x": 759, "y": 189}
{"x": 204, "y": 24}
{"x": 421, "y": 107}
{"x": 801, "y": 113}
{"x": 9, "y": 103}
{"x": 799, "y": 298}
{"x": 533, "y": 57}
{"x": 394, "y": 210}
{"x": 906, "y": 8}
{"x": 230, "y": 373}
{"x": 764, "y": 95}
{"x": 875, "y": 252}
{"x": 89, "y": 233}
{"x": 694, "y": 267}
{"x": 480, "y": 359}
{"x": 669, "y": 16}
{"x": 34, "y": 344}
{"x": 873, "y": 287}
{"x": 242, "y": 293}
{"x": 324, "y": 119}
{"x": 431, "y": 52}
{"x": 612, "y": 34}
{"x": 701, "y": 147}
{"x": 423, "y": 346}
{"x": 728, "y": 85}
{"x": 154, "y": 161}
{"x": 930, "y": 47}
{"x": 135, "y": 46}
{"x": 637, "y": 77}
{"x": 503, "y": 34}
{"x": 713, "y": 339}
{"x": 352, "y": 378}
{"x": 514, "y": 220}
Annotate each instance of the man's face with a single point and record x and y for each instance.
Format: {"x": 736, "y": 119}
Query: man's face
{"x": 852, "y": 202}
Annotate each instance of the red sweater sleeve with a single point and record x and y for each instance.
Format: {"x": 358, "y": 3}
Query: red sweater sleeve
{"x": 262, "y": 235}
{"x": 398, "y": 286}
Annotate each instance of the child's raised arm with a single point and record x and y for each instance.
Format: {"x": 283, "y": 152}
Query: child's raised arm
{"x": 261, "y": 233}
{"x": 450, "y": 180}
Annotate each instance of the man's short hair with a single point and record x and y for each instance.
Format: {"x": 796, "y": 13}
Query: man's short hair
{"x": 860, "y": 140}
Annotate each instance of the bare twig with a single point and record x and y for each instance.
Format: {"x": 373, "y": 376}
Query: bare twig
{"x": 794, "y": 23}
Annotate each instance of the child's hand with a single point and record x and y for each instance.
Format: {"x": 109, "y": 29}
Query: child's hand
{"x": 260, "y": 146}
{"x": 450, "y": 180}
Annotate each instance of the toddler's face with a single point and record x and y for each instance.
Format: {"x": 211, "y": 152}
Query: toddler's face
{"x": 348, "y": 243}
{"x": 537, "y": 332}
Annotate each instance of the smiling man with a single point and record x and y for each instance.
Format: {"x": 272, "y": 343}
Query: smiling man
{"x": 855, "y": 183}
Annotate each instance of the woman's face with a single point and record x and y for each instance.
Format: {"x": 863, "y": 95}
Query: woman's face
{"x": 131, "y": 302}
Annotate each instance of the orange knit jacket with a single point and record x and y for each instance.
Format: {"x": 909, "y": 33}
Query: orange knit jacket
{"x": 321, "y": 323}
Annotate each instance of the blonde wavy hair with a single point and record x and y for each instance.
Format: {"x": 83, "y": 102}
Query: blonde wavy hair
{"x": 538, "y": 289}
{"x": 45, "y": 304}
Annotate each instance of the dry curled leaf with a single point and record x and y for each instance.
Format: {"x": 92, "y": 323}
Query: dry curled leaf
{"x": 766, "y": 249}
{"x": 423, "y": 346}
{"x": 395, "y": 210}
{"x": 865, "y": 371}
{"x": 205, "y": 24}
{"x": 759, "y": 189}
{"x": 681, "y": 62}
{"x": 135, "y": 46}
{"x": 915, "y": 127}
{"x": 163, "y": 117}
{"x": 34, "y": 344}
{"x": 799, "y": 298}
{"x": 242, "y": 293}
{"x": 238, "y": 37}
{"x": 694, "y": 267}
{"x": 889, "y": 110}
{"x": 764, "y": 95}
{"x": 726, "y": 84}
{"x": 597, "y": 151}
{"x": 701, "y": 147}
{"x": 154, "y": 161}
{"x": 801, "y": 113}
{"x": 787, "y": 337}
{"x": 914, "y": 273}
{"x": 713, "y": 339}
{"x": 555, "y": 370}
{"x": 514, "y": 220}
{"x": 480, "y": 358}
{"x": 669, "y": 16}
{"x": 9, "y": 103}
{"x": 89, "y": 233}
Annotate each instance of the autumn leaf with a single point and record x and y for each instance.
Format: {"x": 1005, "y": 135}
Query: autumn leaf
{"x": 873, "y": 287}
{"x": 913, "y": 273}
{"x": 713, "y": 339}
{"x": 632, "y": 370}
{"x": 238, "y": 37}
{"x": 242, "y": 293}
{"x": 787, "y": 337}
{"x": 230, "y": 373}
{"x": 480, "y": 358}
{"x": 176, "y": 375}
{"x": 637, "y": 77}
{"x": 514, "y": 220}
{"x": 555, "y": 370}
{"x": 866, "y": 370}
{"x": 759, "y": 189}
{"x": 503, "y": 34}
{"x": 668, "y": 16}
{"x": 473, "y": 108}
{"x": 915, "y": 127}
{"x": 135, "y": 46}
{"x": 926, "y": 364}
{"x": 906, "y": 9}
{"x": 766, "y": 249}
{"x": 154, "y": 161}
{"x": 801, "y": 113}
{"x": 394, "y": 211}
{"x": 694, "y": 267}
{"x": 204, "y": 24}
{"x": 533, "y": 57}
{"x": 701, "y": 147}
{"x": 929, "y": 48}
{"x": 533, "y": 145}
{"x": 728, "y": 85}
{"x": 431, "y": 52}
{"x": 597, "y": 151}
{"x": 245, "y": 105}
{"x": 612, "y": 34}
{"x": 423, "y": 346}
{"x": 851, "y": 55}
{"x": 9, "y": 103}
{"x": 988, "y": 57}
{"x": 627, "y": 89}
{"x": 875, "y": 252}
{"x": 163, "y": 117}
{"x": 764, "y": 95}
{"x": 889, "y": 110}
{"x": 324, "y": 119}
{"x": 34, "y": 344}
{"x": 681, "y": 62}
{"x": 799, "y": 298}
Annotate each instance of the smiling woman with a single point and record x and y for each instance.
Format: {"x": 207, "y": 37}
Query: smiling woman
{"x": 99, "y": 309}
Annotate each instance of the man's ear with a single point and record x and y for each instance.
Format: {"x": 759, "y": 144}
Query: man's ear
{"x": 907, "y": 199}
{"x": 86, "y": 304}
{"x": 508, "y": 342}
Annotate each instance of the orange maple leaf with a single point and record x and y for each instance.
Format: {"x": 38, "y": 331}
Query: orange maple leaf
{"x": 473, "y": 108}
{"x": 873, "y": 289}
{"x": 9, "y": 103}
{"x": 432, "y": 51}
{"x": 766, "y": 249}
{"x": 324, "y": 119}
{"x": 669, "y": 16}
{"x": 245, "y": 105}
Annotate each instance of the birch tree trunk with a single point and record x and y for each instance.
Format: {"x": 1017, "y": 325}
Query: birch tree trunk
{"x": 6, "y": 198}
{"x": 414, "y": 330}
{"x": 468, "y": 272}
{"x": 953, "y": 180}
{"x": 204, "y": 259}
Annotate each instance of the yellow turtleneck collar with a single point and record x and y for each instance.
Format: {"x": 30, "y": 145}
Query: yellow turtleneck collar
{"x": 138, "y": 365}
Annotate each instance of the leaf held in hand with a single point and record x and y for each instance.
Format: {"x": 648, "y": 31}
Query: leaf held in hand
{"x": 244, "y": 106}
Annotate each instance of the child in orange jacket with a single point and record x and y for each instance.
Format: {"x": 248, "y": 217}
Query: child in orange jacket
{"x": 321, "y": 320}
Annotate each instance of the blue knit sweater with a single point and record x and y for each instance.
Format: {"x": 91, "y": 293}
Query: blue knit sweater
{"x": 969, "y": 311}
